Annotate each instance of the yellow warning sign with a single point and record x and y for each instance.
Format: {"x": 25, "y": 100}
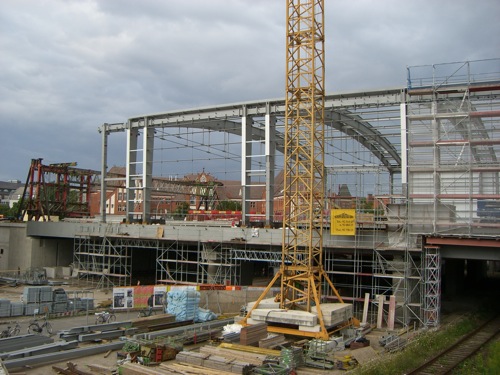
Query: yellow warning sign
{"x": 343, "y": 222}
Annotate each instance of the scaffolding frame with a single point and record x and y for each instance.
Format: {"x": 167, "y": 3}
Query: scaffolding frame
{"x": 431, "y": 296}
{"x": 425, "y": 154}
{"x": 202, "y": 262}
{"x": 454, "y": 143}
{"x": 104, "y": 261}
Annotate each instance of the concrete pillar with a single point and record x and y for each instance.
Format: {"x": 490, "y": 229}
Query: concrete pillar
{"x": 392, "y": 312}
{"x": 365, "y": 308}
{"x": 380, "y": 313}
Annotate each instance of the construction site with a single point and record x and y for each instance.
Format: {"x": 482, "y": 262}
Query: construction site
{"x": 317, "y": 217}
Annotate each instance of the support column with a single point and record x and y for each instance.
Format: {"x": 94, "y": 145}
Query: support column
{"x": 104, "y": 170}
{"x": 380, "y": 312}
{"x": 431, "y": 286}
{"x": 392, "y": 313}
{"x": 246, "y": 156}
{"x": 147, "y": 170}
{"x": 131, "y": 170}
{"x": 404, "y": 150}
{"x": 270, "y": 146}
{"x": 365, "y": 308}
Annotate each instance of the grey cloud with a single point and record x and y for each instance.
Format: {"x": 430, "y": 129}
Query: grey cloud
{"x": 69, "y": 66}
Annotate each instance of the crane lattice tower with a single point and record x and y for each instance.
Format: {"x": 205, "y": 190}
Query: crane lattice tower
{"x": 301, "y": 272}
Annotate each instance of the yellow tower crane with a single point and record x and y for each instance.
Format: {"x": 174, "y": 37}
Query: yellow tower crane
{"x": 301, "y": 271}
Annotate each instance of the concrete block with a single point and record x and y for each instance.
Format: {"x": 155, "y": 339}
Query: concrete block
{"x": 65, "y": 271}
{"x": 266, "y": 303}
{"x": 335, "y": 313}
{"x": 253, "y": 321}
{"x": 316, "y": 328}
{"x": 295, "y": 317}
{"x": 50, "y": 272}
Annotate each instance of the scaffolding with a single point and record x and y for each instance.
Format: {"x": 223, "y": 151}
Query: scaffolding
{"x": 197, "y": 263}
{"x": 412, "y": 162}
{"x": 453, "y": 127}
{"x": 453, "y": 114}
{"x": 104, "y": 261}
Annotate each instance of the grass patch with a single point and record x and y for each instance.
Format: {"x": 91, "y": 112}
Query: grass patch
{"x": 423, "y": 347}
{"x": 487, "y": 362}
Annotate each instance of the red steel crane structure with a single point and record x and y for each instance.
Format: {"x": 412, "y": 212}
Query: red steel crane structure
{"x": 301, "y": 272}
{"x": 56, "y": 190}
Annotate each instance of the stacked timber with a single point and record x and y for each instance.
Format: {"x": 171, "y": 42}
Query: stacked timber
{"x": 168, "y": 369}
{"x": 197, "y": 336}
{"x": 250, "y": 335}
{"x": 214, "y": 362}
{"x": 252, "y": 358}
{"x": 154, "y": 322}
{"x": 272, "y": 341}
{"x": 231, "y": 337}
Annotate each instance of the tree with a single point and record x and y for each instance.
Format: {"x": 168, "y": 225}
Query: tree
{"x": 181, "y": 211}
{"x": 229, "y": 206}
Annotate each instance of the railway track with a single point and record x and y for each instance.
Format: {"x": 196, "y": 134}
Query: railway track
{"x": 446, "y": 361}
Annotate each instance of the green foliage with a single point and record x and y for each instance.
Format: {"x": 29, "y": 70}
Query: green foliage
{"x": 493, "y": 360}
{"x": 485, "y": 363}
{"x": 229, "y": 206}
{"x": 181, "y": 211}
{"x": 4, "y": 210}
{"x": 423, "y": 347}
{"x": 9, "y": 212}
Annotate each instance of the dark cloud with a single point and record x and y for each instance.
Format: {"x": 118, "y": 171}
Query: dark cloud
{"x": 69, "y": 66}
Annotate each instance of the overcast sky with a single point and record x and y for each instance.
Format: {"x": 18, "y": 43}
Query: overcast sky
{"x": 66, "y": 67}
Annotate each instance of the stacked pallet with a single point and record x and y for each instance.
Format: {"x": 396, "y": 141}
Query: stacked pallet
{"x": 60, "y": 301}
{"x": 214, "y": 362}
{"x": 16, "y": 308}
{"x": 250, "y": 335}
{"x": 4, "y": 307}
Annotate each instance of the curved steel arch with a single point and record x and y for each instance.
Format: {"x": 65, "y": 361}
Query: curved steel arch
{"x": 250, "y": 120}
{"x": 343, "y": 121}
{"x": 353, "y": 125}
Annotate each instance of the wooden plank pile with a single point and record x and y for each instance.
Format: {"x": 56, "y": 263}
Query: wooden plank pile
{"x": 215, "y": 362}
{"x": 169, "y": 368}
{"x": 272, "y": 341}
{"x": 252, "y": 358}
{"x": 250, "y": 335}
{"x": 154, "y": 322}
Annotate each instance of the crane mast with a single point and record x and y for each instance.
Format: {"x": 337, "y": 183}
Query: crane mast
{"x": 303, "y": 171}
{"x": 301, "y": 272}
